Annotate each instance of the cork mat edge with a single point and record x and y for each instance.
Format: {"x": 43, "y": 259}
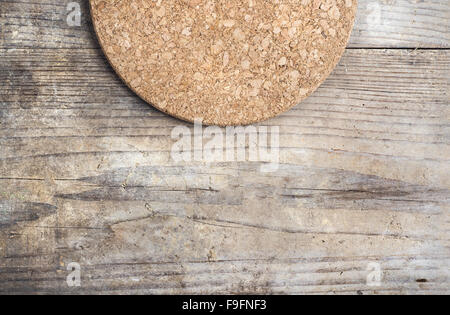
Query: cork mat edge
{"x": 250, "y": 121}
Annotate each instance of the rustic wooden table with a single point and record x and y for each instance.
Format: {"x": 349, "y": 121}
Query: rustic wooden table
{"x": 363, "y": 188}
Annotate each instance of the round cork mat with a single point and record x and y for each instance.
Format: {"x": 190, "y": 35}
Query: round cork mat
{"x": 227, "y": 62}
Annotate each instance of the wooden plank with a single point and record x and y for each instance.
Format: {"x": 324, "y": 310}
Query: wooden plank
{"x": 86, "y": 176}
{"x": 402, "y": 23}
{"x": 379, "y": 104}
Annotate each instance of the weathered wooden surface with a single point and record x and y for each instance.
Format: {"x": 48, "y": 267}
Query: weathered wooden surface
{"x": 86, "y": 175}
{"x": 381, "y": 23}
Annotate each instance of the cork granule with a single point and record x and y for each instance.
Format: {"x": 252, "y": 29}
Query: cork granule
{"x": 227, "y": 62}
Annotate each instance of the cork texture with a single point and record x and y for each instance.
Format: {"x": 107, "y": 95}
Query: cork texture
{"x": 228, "y": 62}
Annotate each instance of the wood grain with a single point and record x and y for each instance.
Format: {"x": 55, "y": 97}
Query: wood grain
{"x": 380, "y": 24}
{"x": 86, "y": 174}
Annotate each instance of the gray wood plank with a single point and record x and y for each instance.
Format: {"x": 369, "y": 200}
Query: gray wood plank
{"x": 380, "y": 24}
{"x": 87, "y": 177}
{"x": 86, "y": 174}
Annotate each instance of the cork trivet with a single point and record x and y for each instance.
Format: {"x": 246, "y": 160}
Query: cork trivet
{"x": 228, "y": 62}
